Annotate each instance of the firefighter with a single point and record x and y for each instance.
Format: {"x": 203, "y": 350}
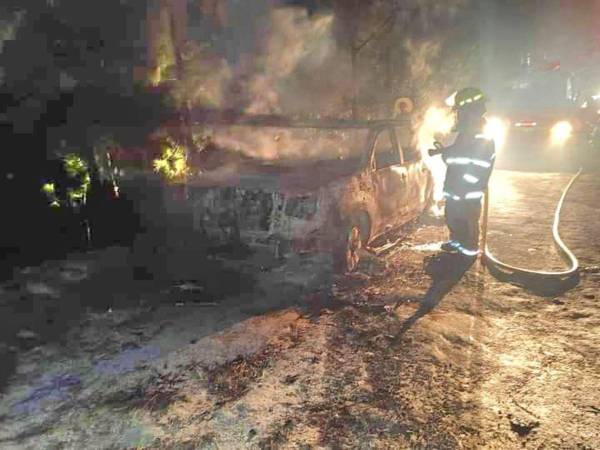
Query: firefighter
{"x": 469, "y": 162}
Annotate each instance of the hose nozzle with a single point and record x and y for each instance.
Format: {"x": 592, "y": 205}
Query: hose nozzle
{"x": 437, "y": 150}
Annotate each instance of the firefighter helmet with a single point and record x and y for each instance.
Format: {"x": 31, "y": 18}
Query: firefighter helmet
{"x": 468, "y": 96}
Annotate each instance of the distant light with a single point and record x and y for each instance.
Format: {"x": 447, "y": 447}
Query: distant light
{"x": 496, "y": 129}
{"x": 525, "y": 124}
{"x": 561, "y": 132}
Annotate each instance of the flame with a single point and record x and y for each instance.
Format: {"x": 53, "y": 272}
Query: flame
{"x": 437, "y": 123}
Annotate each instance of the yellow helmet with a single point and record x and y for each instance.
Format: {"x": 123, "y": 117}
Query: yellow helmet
{"x": 468, "y": 96}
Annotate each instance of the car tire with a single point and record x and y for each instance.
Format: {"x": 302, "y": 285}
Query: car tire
{"x": 353, "y": 237}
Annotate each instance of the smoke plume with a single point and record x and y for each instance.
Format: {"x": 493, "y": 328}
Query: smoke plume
{"x": 355, "y": 59}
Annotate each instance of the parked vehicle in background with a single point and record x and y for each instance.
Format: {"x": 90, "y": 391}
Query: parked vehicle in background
{"x": 541, "y": 115}
{"x": 592, "y": 112}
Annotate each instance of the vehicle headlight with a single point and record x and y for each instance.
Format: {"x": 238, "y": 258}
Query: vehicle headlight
{"x": 496, "y": 129}
{"x": 561, "y": 132}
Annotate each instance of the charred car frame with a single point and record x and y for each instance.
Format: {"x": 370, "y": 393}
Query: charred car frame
{"x": 348, "y": 185}
{"x": 318, "y": 204}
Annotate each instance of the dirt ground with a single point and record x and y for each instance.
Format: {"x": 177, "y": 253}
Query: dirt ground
{"x": 297, "y": 358}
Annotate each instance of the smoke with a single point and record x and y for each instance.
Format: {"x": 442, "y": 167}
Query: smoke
{"x": 279, "y": 60}
{"x": 421, "y": 54}
{"x": 298, "y": 70}
{"x": 291, "y": 144}
{"x": 205, "y": 76}
{"x": 440, "y": 56}
{"x": 262, "y": 57}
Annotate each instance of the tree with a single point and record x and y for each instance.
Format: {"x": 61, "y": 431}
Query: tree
{"x": 69, "y": 80}
{"x": 402, "y": 48}
{"x": 83, "y": 55}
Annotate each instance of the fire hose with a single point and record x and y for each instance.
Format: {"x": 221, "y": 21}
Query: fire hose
{"x": 515, "y": 273}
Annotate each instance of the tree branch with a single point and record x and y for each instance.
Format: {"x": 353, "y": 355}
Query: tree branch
{"x": 380, "y": 30}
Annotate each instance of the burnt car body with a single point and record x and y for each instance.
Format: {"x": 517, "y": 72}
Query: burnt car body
{"x": 338, "y": 203}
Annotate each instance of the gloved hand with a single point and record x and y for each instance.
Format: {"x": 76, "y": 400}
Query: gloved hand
{"x": 438, "y": 148}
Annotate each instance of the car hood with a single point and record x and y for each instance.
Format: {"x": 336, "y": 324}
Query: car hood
{"x": 285, "y": 177}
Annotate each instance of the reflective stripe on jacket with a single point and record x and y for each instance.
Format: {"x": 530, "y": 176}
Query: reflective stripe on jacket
{"x": 470, "y": 161}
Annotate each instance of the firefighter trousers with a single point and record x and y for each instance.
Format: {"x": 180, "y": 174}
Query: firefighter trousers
{"x": 462, "y": 218}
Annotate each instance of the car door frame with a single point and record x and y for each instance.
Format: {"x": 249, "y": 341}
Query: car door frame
{"x": 418, "y": 180}
{"x": 389, "y": 184}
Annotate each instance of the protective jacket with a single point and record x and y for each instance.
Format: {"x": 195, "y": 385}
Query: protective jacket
{"x": 470, "y": 161}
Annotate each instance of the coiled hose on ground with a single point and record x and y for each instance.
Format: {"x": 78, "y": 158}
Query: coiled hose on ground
{"x": 547, "y": 282}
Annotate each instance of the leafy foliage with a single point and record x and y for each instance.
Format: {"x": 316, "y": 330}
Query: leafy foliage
{"x": 172, "y": 163}
{"x": 71, "y": 189}
{"x": 49, "y": 189}
{"x": 77, "y": 168}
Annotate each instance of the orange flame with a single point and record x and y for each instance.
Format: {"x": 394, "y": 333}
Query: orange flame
{"x": 437, "y": 123}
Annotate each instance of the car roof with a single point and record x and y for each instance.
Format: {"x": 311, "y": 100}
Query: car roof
{"x": 205, "y": 116}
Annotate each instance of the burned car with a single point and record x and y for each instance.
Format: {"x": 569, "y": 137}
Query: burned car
{"x": 297, "y": 190}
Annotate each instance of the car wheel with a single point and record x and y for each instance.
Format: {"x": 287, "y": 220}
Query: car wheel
{"x": 353, "y": 246}
{"x": 347, "y": 257}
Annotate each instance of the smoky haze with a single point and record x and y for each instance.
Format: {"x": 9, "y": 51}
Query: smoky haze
{"x": 349, "y": 60}
{"x": 353, "y": 59}
{"x": 285, "y": 60}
